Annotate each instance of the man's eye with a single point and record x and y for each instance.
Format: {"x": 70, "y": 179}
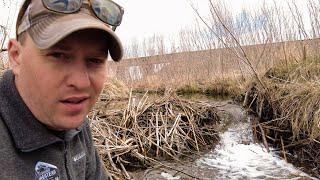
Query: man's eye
{"x": 58, "y": 55}
{"x": 96, "y": 61}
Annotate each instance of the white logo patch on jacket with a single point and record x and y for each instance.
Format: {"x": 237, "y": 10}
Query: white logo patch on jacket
{"x": 79, "y": 156}
{"x": 46, "y": 171}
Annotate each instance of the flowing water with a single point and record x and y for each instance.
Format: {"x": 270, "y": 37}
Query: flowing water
{"x": 235, "y": 157}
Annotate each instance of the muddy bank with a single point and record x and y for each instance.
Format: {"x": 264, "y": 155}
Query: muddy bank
{"x": 288, "y": 115}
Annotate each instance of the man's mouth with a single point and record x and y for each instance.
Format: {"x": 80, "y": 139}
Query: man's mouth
{"x": 75, "y": 104}
{"x": 74, "y": 100}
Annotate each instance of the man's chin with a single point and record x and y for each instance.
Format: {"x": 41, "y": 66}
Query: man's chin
{"x": 68, "y": 123}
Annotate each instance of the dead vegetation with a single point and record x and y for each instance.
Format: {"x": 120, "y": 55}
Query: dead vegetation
{"x": 289, "y": 112}
{"x": 1, "y": 70}
{"x": 219, "y": 88}
{"x": 146, "y": 131}
{"x": 3, "y": 65}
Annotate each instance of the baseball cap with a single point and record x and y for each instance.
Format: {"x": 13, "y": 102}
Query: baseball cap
{"x": 46, "y": 28}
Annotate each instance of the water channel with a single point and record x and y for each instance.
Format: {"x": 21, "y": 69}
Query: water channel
{"x": 235, "y": 157}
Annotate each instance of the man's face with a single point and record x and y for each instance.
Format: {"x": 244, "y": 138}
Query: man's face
{"x": 61, "y": 84}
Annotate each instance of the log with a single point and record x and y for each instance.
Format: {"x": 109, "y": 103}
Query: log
{"x": 265, "y": 143}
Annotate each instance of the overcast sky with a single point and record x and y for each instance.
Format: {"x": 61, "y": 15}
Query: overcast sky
{"x": 144, "y": 18}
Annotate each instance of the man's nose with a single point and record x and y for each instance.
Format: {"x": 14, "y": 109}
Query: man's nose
{"x": 79, "y": 75}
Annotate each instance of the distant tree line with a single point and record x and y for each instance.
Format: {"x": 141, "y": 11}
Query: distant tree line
{"x": 270, "y": 23}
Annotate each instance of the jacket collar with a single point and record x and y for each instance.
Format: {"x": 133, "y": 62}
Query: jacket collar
{"x": 27, "y": 132}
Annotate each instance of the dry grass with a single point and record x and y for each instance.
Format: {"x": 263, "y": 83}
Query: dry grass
{"x": 219, "y": 88}
{"x": 114, "y": 89}
{"x": 3, "y": 66}
{"x": 147, "y": 131}
{"x": 2, "y": 71}
{"x": 194, "y": 71}
{"x": 289, "y": 111}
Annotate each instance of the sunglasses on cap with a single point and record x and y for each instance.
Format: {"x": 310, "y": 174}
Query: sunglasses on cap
{"x": 107, "y": 11}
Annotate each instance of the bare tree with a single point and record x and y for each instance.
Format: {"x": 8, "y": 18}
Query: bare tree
{"x": 314, "y": 9}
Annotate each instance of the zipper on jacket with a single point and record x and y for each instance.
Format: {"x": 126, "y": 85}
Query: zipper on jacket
{"x": 65, "y": 145}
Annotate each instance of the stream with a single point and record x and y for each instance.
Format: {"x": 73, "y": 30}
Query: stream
{"x": 235, "y": 157}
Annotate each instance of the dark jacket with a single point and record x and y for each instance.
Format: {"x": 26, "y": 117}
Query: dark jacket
{"x": 28, "y": 150}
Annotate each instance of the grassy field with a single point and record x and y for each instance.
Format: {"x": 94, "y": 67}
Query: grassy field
{"x": 217, "y": 72}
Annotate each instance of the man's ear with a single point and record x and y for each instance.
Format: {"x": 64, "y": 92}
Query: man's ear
{"x": 14, "y": 52}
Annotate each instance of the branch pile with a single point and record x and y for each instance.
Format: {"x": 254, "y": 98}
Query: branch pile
{"x": 146, "y": 132}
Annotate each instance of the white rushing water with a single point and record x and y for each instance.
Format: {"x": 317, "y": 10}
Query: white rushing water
{"x": 237, "y": 157}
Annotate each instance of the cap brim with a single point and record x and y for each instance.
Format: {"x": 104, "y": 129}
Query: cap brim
{"x": 53, "y": 28}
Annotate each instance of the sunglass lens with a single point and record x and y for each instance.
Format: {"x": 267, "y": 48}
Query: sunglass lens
{"x": 107, "y": 11}
{"x": 63, "y": 6}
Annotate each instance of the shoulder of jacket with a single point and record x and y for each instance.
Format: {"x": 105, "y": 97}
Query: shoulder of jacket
{"x": 6, "y": 139}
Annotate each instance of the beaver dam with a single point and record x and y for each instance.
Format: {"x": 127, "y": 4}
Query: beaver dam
{"x": 168, "y": 137}
{"x": 145, "y": 132}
